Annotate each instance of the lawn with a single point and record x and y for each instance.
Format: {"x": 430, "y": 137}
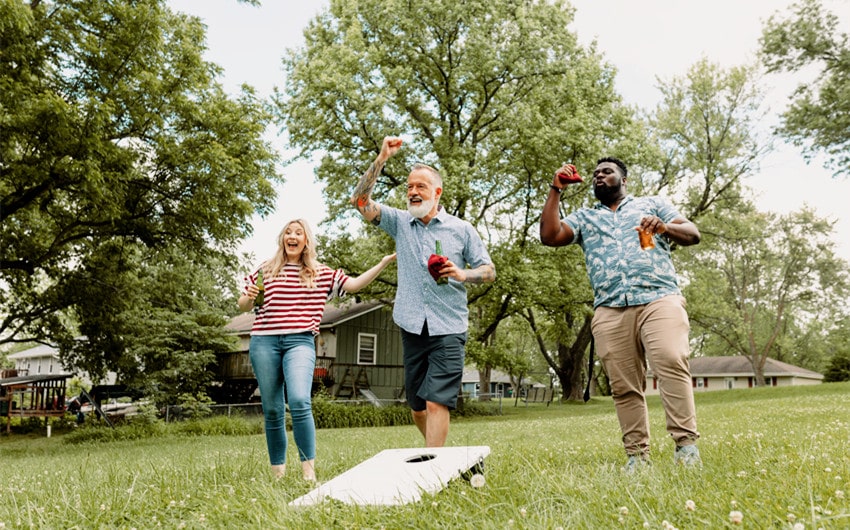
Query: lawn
{"x": 779, "y": 456}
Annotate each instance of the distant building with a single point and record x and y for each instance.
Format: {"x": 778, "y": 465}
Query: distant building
{"x": 358, "y": 347}
{"x": 44, "y": 360}
{"x": 725, "y": 373}
{"x": 500, "y": 383}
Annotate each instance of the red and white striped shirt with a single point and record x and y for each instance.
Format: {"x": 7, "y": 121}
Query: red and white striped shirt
{"x": 289, "y": 306}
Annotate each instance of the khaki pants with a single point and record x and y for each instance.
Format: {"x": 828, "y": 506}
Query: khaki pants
{"x": 629, "y": 337}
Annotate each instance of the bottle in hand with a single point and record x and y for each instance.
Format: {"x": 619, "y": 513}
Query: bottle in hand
{"x": 436, "y": 262}
{"x": 647, "y": 239}
{"x": 258, "y": 301}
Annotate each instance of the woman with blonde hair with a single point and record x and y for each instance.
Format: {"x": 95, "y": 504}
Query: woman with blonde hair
{"x": 282, "y": 347}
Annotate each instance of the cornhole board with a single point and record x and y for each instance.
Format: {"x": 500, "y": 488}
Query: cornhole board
{"x": 398, "y": 476}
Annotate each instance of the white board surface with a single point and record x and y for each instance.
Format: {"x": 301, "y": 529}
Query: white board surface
{"x": 397, "y": 476}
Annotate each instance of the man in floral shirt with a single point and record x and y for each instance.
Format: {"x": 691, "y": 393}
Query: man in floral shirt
{"x": 639, "y": 311}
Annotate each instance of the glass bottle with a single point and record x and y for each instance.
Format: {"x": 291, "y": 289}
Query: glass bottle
{"x": 439, "y": 251}
{"x": 258, "y": 301}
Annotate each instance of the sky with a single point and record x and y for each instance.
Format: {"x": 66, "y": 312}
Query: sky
{"x": 647, "y": 41}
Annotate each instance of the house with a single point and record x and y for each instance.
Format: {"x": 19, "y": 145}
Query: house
{"x": 44, "y": 360}
{"x": 40, "y": 360}
{"x": 500, "y": 383}
{"x": 358, "y": 347}
{"x": 723, "y": 373}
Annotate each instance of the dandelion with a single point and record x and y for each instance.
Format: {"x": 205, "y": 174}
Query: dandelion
{"x": 103, "y": 507}
{"x": 734, "y": 503}
{"x": 624, "y": 510}
{"x": 477, "y": 480}
{"x": 742, "y": 474}
{"x": 523, "y": 512}
{"x": 839, "y": 494}
{"x": 827, "y": 470}
{"x": 690, "y": 505}
{"x": 736, "y": 517}
{"x": 799, "y": 526}
{"x": 646, "y": 524}
{"x": 791, "y": 517}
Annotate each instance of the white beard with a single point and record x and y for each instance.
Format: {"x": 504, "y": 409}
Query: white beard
{"x": 420, "y": 211}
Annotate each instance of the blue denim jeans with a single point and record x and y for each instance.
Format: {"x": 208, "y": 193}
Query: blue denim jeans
{"x": 285, "y": 363}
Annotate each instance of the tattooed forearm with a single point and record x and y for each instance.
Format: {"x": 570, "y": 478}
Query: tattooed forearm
{"x": 363, "y": 192}
{"x": 483, "y": 274}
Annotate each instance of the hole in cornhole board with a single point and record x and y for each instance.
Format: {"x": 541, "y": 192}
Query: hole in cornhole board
{"x": 420, "y": 458}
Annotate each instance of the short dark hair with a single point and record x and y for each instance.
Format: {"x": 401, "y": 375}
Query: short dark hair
{"x": 613, "y": 160}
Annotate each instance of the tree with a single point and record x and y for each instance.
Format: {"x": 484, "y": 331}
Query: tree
{"x": 762, "y": 281}
{"x": 164, "y": 325}
{"x": 494, "y": 94}
{"x": 706, "y": 126}
{"x": 818, "y": 118}
{"x": 839, "y": 369}
{"x": 117, "y": 143}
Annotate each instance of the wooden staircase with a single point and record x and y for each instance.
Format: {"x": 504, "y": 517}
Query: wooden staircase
{"x": 350, "y": 385}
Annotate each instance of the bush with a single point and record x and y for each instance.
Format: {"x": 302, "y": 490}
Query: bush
{"x": 330, "y": 415}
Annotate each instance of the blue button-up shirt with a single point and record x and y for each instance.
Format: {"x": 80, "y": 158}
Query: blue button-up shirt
{"x": 621, "y": 273}
{"x": 419, "y": 297}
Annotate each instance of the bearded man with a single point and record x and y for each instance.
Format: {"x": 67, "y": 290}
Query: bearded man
{"x": 639, "y": 312}
{"x": 433, "y": 316}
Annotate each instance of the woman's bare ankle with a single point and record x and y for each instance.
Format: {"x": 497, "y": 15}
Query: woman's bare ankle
{"x": 279, "y": 470}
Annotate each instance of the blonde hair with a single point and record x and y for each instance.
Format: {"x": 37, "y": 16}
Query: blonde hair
{"x": 309, "y": 260}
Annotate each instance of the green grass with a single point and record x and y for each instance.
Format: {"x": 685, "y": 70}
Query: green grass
{"x": 774, "y": 454}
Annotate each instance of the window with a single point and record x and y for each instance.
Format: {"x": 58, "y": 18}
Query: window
{"x": 700, "y": 382}
{"x": 367, "y": 347}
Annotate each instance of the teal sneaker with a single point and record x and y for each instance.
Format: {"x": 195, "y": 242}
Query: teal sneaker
{"x": 637, "y": 462}
{"x": 688, "y": 456}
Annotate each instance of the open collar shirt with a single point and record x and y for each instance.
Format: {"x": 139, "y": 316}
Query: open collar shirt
{"x": 621, "y": 273}
{"x": 419, "y": 297}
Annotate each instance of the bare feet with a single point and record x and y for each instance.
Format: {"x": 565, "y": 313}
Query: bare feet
{"x": 279, "y": 470}
{"x": 308, "y": 468}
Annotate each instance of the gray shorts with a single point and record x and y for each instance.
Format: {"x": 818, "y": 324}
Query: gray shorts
{"x": 433, "y": 368}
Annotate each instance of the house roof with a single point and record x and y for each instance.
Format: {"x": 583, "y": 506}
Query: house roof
{"x": 42, "y": 350}
{"x": 740, "y": 366}
{"x": 332, "y": 316}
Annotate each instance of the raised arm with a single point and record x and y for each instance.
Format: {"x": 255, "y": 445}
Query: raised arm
{"x": 553, "y": 231}
{"x": 352, "y": 285}
{"x": 362, "y": 196}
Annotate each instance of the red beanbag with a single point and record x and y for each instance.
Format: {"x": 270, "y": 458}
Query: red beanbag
{"x": 569, "y": 177}
{"x": 435, "y": 263}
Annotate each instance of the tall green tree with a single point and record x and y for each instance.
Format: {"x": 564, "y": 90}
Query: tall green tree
{"x": 707, "y": 130}
{"x": 818, "y": 117}
{"x": 757, "y": 287}
{"x": 494, "y": 94}
{"x": 116, "y": 143}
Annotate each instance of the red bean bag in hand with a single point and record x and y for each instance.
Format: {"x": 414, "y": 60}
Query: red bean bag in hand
{"x": 570, "y": 176}
{"x": 435, "y": 263}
